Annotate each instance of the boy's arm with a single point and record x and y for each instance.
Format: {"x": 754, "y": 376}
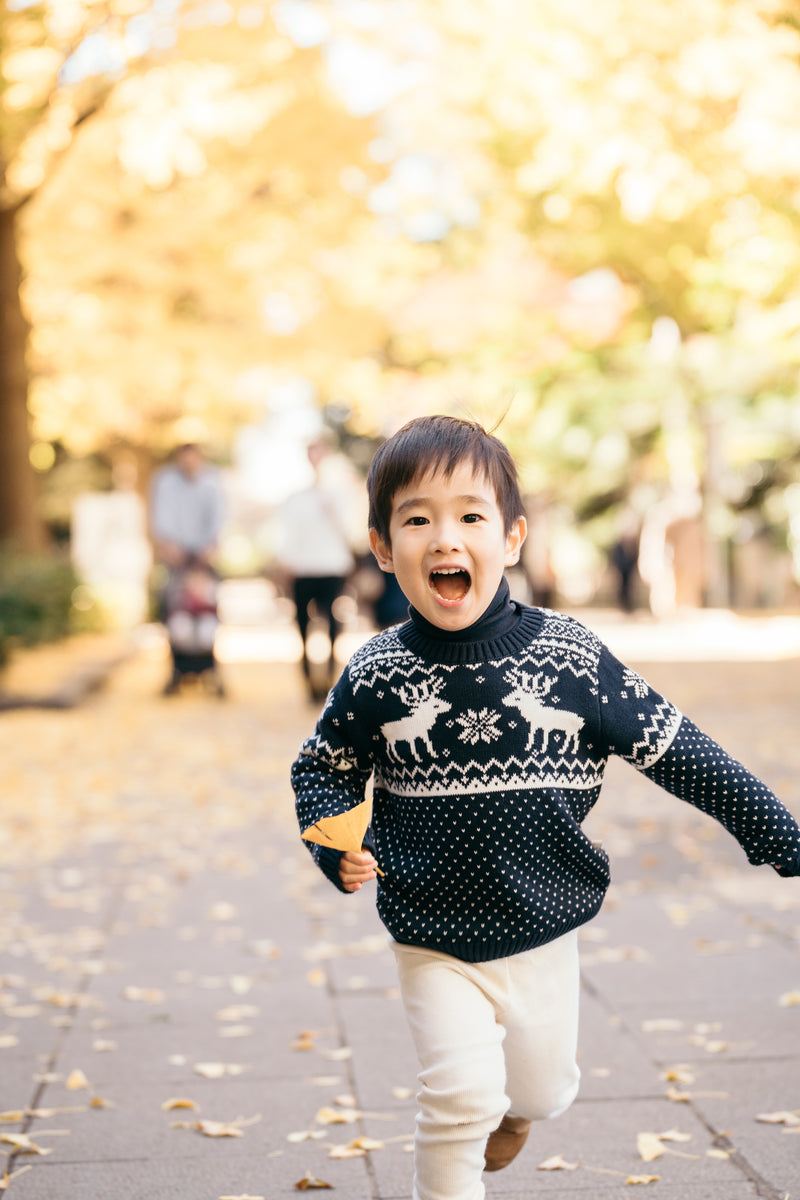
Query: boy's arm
{"x": 648, "y": 731}
{"x": 330, "y": 774}
{"x": 698, "y": 770}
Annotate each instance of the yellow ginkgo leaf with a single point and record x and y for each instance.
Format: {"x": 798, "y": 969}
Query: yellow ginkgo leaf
{"x": 649, "y": 1146}
{"x": 343, "y": 831}
{"x": 309, "y": 1182}
{"x": 22, "y": 1144}
{"x": 643, "y": 1179}
{"x": 557, "y": 1163}
{"x": 218, "y": 1129}
{"x": 177, "y": 1102}
{"x": 77, "y": 1080}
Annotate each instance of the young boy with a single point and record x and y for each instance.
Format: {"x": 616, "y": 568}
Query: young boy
{"x": 488, "y": 725}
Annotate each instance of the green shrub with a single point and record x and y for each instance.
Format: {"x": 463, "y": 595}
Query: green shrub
{"x": 35, "y": 599}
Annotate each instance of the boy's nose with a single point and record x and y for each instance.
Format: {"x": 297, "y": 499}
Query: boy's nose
{"x": 445, "y": 536}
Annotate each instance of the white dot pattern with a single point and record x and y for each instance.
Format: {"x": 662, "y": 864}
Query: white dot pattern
{"x": 487, "y": 756}
{"x": 696, "y": 769}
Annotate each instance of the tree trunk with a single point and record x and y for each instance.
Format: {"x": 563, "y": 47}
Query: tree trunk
{"x": 20, "y": 523}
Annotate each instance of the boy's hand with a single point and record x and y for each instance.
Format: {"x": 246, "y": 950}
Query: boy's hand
{"x": 356, "y": 868}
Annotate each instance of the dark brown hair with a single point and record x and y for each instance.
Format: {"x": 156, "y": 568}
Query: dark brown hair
{"x": 430, "y": 444}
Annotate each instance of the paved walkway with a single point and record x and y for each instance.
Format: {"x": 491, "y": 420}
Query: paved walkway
{"x": 189, "y": 1010}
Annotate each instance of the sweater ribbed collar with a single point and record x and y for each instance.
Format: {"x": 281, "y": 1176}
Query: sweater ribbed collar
{"x": 504, "y": 628}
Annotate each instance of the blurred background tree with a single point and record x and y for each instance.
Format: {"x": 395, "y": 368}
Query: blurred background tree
{"x": 412, "y": 206}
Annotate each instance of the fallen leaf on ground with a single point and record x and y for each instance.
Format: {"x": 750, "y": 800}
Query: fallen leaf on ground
{"x": 177, "y": 1102}
{"x": 305, "y": 1135}
{"x": 8, "y": 1041}
{"x": 237, "y": 1012}
{"x": 234, "y": 1031}
{"x": 305, "y": 1040}
{"x": 348, "y": 1151}
{"x": 309, "y": 1181}
{"x": 77, "y": 1080}
{"x": 22, "y": 1144}
{"x": 650, "y": 1145}
{"x": 337, "y": 1116}
{"x": 99, "y": 1102}
{"x": 662, "y": 1025}
{"x": 402, "y": 1093}
{"x": 216, "y": 1070}
{"x": 789, "y": 999}
{"x": 218, "y": 1129}
{"x": 780, "y": 1118}
{"x": 643, "y": 1179}
{"x": 714, "y": 1152}
{"x": 6, "y": 1179}
{"x": 12, "y": 1117}
{"x": 678, "y": 1075}
{"x": 557, "y": 1163}
{"x": 341, "y": 1054}
{"x": 143, "y": 995}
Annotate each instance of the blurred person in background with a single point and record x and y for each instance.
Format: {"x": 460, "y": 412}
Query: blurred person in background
{"x": 315, "y": 558}
{"x": 186, "y": 514}
{"x": 624, "y": 559}
{"x": 187, "y": 509}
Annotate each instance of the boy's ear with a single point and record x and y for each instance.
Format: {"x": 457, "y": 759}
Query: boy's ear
{"x": 382, "y": 551}
{"x": 515, "y": 540}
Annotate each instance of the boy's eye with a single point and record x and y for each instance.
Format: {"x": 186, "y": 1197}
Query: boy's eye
{"x": 417, "y": 521}
{"x": 472, "y": 518}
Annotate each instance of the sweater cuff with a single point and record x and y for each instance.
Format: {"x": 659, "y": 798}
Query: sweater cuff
{"x": 328, "y": 862}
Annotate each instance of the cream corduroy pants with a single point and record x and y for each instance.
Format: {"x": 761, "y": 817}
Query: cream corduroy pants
{"x": 492, "y": 1038}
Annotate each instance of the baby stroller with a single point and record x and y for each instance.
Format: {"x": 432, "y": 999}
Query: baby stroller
{"x": 190, "y": 615}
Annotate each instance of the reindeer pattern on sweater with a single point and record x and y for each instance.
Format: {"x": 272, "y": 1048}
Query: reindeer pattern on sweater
{"x": 487, "y": 759}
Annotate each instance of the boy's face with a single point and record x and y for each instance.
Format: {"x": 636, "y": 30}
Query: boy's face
{"x": 448, "y": 546}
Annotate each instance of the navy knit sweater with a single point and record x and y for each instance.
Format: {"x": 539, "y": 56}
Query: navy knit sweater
{"x": 488, "y": 748}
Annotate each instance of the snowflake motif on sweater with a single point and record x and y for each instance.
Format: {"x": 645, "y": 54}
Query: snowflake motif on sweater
{"x": 486, "y": 760}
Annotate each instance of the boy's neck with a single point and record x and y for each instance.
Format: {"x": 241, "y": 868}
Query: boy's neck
{"x": 497, "y": 619}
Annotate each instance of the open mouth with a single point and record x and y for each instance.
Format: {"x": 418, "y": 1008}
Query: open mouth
{"x": 450, "y": 584}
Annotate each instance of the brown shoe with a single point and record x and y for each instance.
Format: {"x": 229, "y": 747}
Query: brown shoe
{"x": 506, "y": 1142}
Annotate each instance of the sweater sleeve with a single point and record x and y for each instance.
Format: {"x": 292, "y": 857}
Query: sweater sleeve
{"x": 330, "y": 774}
{"x": 699, "y": 771}
{"x": 646, "y": 730}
